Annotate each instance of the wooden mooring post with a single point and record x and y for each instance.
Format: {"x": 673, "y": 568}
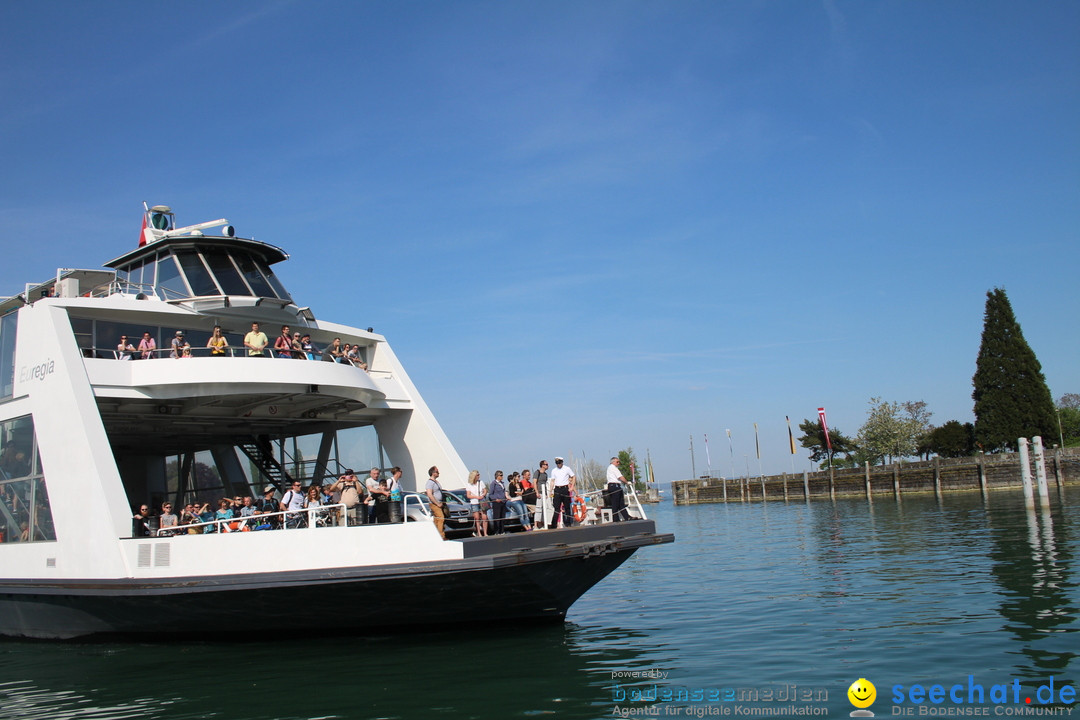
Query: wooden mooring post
{"x": 937, "y": 477}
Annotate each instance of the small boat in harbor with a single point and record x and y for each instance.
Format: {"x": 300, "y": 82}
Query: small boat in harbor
{"x": 101, "y": 412}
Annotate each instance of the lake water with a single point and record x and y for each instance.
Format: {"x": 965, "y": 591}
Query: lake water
{"x": 756, "y": 610}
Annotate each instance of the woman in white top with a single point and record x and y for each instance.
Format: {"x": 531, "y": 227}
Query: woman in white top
{"x": 477, "y": 491}
{"x": 312, "y": 501}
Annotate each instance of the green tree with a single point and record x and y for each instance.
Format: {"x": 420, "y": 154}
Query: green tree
{"x": 893, "y": 430}
{"x": 952, "y": 439}
{"x": 631, "y": 469}
{"x": 813, "y": 439}
{"x": 1068, "y": 409}
{"x": 1011, "y": 397}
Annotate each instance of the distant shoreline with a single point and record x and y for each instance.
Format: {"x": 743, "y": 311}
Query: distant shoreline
{"x": 940, "y": 475}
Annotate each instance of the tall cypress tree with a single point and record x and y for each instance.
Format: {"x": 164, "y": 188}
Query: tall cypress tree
{"x": 1011, "y": 396}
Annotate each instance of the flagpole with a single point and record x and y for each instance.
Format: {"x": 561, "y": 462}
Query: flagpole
{"x": 708, "y": 457}
{"x": 731, "y": 450}
{"x": 791, "y": 441}
{"x": 693, "y": 466}
{"x": 757, "y": 446}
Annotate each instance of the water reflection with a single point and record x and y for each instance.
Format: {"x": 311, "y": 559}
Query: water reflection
{"x": 485, "y": 670}
{"x": 1033, "y": 565}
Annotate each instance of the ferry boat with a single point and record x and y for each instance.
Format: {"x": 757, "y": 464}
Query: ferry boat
{"x": 90, "y": 431}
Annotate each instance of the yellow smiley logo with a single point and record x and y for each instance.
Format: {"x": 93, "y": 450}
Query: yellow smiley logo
{"x": 862, "y": 693}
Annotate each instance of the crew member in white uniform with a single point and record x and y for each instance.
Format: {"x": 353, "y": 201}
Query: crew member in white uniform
{"x": 562, "y": 489}
{"x": 614, "y": 492}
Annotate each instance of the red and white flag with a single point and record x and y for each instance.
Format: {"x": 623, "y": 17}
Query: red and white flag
{"x": 824, "y": 427}
{"x": 142, "y": 233}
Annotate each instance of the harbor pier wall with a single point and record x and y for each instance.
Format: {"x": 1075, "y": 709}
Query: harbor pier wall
{"x": 939, "y": 475}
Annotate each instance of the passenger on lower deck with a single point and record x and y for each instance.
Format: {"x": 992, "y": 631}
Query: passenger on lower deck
{"x": 140, "y": 522}
{"x": 167, "y": 521}
{"x": 293, "y": 503}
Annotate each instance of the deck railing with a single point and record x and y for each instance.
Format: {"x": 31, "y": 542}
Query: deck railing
{"x": 307, "y": 518}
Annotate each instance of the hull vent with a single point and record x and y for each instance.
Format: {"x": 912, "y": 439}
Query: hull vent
{"x": 144, "y": 556}
{"x": 162, "y": 554}
{"x": 50, "y": 562}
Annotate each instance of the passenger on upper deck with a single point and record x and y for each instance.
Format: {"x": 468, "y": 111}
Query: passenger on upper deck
{"x": 283, "y": 343}
{"x": 256, "y": 341}
{"x": 333, "y": 352}
{"x": 217, "y": 343}
{"x": 178, "y": 343}
{"x": 307, "y": 347}
{"x": 124, "y": 350}
{"x": 297, "y": 348}
{"x": 147, "y": 346}
{"x": 353, "y": 355}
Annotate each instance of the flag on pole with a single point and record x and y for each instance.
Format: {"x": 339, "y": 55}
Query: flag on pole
{"x": 707, "y": 456}
{"x": 824, "y": 427}
{"x": 790, "y": 435}
{"x": 757, "y": 445}
{"x": 142, "y": 233}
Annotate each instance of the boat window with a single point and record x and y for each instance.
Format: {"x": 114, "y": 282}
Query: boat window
{"x": 25, "y": 512}
{"x": 198, "y": 277}
{"x": 359, "y": 448}
{"x": 272, "y": 279}
{"x": 148, "y": 272}
{"x": 8, "y": 325}
{"x": 227, "y": 276}
{"x": 84, "y": 335}
{"x": 254, "y": 277}
{"x": 169, "y": 279}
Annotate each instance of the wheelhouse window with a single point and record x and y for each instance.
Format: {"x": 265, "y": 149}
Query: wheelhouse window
{"x": 168, "y": 278}
{"x": 202, "y": 269}
{"x": 8, "y": 325}
{"x": 226, "y": 273}
{"x": 25, "y": 512}
{"x": 198, "y": 277}
{"x": 255, "y": 277}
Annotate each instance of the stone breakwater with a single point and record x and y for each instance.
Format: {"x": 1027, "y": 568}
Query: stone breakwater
{"x": 940, "y": 475}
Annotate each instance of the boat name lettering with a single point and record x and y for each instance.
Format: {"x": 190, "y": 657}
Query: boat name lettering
{"x": 37, "y": 372}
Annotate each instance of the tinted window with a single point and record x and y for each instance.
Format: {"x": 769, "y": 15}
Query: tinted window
{"x": 197, "y": 275}
{"x": 272, "y": 279}
{"x": 254, "y": 276}
{"x": 227, "y": 276}
{"x": 168, "y": 277}
{"x": 8, "y": 324}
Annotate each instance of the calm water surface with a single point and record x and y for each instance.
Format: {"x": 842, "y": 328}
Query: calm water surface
{"x": 750, "y": 598}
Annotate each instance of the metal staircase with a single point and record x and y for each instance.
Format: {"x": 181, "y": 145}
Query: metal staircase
{"x": 261, "y": 452}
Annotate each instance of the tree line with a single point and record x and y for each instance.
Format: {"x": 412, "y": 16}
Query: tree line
{"x": 1011, "y": 400}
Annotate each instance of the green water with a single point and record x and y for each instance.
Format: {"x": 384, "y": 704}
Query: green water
{"x": 756, "y": 610}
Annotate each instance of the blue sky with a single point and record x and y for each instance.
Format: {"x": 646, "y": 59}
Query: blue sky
{"x": 587, "y": 225}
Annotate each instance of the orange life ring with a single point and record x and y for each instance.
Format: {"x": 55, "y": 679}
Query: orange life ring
{"x": 577, "y": 507}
